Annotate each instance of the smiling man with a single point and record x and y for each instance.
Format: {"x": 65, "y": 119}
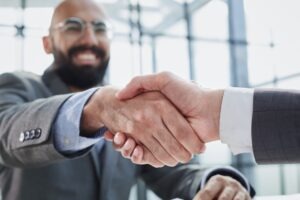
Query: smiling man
{"x": 51, "y": 127}
{"x": 80, "y": 47}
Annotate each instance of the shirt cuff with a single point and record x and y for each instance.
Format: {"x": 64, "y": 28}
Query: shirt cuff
{"x": 66, "y": 131}
{"x": 236, "y": 119}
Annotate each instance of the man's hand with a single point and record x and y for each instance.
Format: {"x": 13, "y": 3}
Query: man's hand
{"x": 148, "y": 118}
{"x": 222, "y": 187}
{"x": 128, "y": 147}
{"x": 201, "y": 107}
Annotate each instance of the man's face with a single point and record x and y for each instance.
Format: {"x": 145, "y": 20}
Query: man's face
{"x": 80, "y": 44}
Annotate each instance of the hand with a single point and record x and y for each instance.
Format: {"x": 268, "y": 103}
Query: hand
{"x": 222, "y": 187}
{"x": 200, "y": 106}
{"x": 150, "y": 119}
{"x": 127, "y": 147}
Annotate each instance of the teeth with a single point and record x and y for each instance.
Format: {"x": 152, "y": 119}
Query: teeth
{"x": 87, "y": 56}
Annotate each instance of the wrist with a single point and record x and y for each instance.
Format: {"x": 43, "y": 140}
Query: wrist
{"x": 215, "y": 99}
{"x": 91, "y": 121}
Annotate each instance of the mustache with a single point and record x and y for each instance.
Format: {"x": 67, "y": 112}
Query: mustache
{"x": 97, "y": 51}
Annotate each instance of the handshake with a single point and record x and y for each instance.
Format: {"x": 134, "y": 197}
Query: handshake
{"x": 156, "y": 119}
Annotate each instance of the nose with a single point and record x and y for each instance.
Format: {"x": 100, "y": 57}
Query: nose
{"x": 88, "y": 37}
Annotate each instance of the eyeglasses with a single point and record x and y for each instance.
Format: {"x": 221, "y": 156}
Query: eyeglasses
{"x": 74, "y": 28}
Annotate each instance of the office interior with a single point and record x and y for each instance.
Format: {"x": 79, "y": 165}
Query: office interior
{"x": 217, "y": 43}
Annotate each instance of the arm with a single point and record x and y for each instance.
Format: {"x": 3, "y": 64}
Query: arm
{"x": 190, "y": 181}
{"x": 149, "y": 118}
{"x": 201, "y": 107}
{"x": 21, "y": 112}
{"x": 266, "y": 121}
{"x": 66, "y": 129}
{"x": 214, "y": 114}
{"x": 25, "y": 123}
{"x": 275, "y": 126}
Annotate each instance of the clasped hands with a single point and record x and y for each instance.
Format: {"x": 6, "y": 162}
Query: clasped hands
{"x": 157, "y": 119}
{"x": 161, "y": 120}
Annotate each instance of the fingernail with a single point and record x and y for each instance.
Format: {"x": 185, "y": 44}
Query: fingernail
{"x": 117, "y": 139}
{"x": 135, "y": 153}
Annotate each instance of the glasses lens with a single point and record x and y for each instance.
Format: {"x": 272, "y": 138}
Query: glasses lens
{"x": 73, "y": 26}
{"x": 100, "y": 27}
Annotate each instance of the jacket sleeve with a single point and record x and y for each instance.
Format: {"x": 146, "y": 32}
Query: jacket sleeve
{"x": 186, "y": 180}
{"x": 182, "y": 181}
{"x": 276, "y": 126}
{"x": 25, "y": 123}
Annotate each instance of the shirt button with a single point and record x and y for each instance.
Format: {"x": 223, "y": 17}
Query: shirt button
{"x": 38, "y": 133}
{"x": 22, "y": 137}
{"x": 27, "y": 135}
{"x": 32, "y": 134}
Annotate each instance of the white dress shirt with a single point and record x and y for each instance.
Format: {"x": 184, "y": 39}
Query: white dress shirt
{"x": 236, "y": 119}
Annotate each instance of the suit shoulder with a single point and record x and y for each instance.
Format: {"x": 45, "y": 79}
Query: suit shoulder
{"x": 19, "y": 75}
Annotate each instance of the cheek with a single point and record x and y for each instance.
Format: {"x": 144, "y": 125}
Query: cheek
{"x": 62, "y": 45}
{"x": 106, "y": 46}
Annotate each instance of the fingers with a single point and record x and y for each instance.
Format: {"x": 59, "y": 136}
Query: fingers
{"x": 136, "y": 153}
{"x": 189, "y": 142}
{"x": 223, "y": 187}
{"x": 158, "y": 150}
{"x": 227, "y": 193}
{"x": 148, "y": 158}
{"x": 150, "y": 119}
{"x": 108, "y": 136}
{"x": 119, "y": 140}
{"x": 241, "y": 196}
{"x": 210, "y": 191}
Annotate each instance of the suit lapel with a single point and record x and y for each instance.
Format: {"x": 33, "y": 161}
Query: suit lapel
{"x": 54, "y": 83}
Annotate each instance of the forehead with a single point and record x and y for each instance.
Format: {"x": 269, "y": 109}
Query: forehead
{"x": 84, "y": 9}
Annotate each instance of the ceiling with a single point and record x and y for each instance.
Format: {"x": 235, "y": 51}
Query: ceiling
{"x": 156, "y": 15}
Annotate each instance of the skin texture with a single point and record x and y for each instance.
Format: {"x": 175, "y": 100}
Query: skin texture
{"x": 201, "y": 107}
{"x": 149, "y": 118}
{"x": 223, "y": 188}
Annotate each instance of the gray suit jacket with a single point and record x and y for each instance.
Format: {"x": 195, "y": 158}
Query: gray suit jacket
{"x": 32, "y": 169}
{"x": 276, "y": 126}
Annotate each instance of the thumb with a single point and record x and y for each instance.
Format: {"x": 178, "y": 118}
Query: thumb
{"x": 138, "y": 85}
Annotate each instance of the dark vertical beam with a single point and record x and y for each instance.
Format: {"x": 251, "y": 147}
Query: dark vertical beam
{"x": 238, "y": 50}
{"x": 154, "y": 57}
{"x": 20, "y": 34}
{"x": 188, "y": 21}
{"x": 239, "y": 70}
{"x": 140, "y": 36}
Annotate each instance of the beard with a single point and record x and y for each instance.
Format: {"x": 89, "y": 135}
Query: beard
{"x": 80, "y": 76}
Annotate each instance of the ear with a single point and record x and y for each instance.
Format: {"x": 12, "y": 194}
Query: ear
{"x": 47, "y": 43}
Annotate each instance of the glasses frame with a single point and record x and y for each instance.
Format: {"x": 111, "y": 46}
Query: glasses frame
{"x": 84, "y": 24}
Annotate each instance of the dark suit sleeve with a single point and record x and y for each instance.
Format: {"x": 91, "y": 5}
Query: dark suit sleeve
{"x": 182, "y": 181}
{"x": 276, "y": 126}
{"x": 25, "y": 123}
{"x": 185, "y": 180}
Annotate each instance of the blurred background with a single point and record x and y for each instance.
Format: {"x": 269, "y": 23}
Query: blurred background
{"x": 218, "y": 43}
